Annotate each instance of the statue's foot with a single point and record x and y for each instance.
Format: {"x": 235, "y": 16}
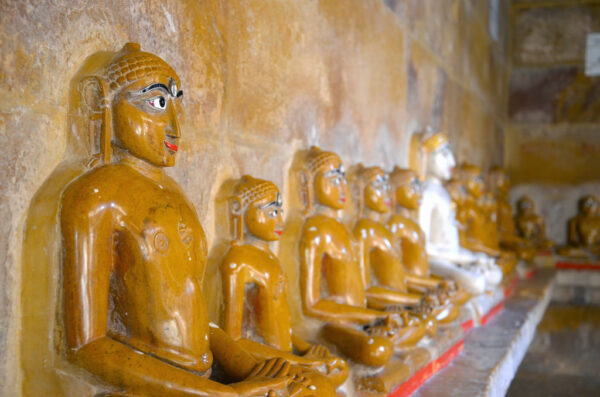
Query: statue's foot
{"x": 493, "y": 275}
{"x": 370, "y": 350}
{"x": 446, "y": 313}
{"x": 470, "y": 278}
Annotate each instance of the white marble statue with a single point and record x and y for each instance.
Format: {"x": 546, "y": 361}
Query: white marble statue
{"x": 476, "y": 272}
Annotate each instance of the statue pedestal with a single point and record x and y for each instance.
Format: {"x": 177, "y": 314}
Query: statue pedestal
{"x": 577, "y": 282}
{"x": 493, "y": 352}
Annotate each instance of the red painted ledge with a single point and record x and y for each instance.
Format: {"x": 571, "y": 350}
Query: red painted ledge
{"x": 425, "y": 373}
{"x": 595, "y": 266}
{"x": 492, "y": 313}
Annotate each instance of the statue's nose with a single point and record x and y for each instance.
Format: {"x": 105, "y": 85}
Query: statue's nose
{"x": 173, "y": 129}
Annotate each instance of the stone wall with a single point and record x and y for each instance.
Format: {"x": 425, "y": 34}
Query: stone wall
{"x": 553, "y": 111}
{"x": 262, "y": 80}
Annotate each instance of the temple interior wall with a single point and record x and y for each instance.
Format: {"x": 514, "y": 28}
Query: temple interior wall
{"x": 553, "y": 118}
{"x": 552, "y": 144}
{"x": 262, "y": 80}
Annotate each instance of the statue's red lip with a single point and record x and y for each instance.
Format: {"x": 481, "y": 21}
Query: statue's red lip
{"x": 343, "y": 199}
{"x": 171, "y": 146}
{"x": 279, "y": 232}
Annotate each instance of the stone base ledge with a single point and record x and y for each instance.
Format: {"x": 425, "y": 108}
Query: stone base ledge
{"x": 493, "y": 352}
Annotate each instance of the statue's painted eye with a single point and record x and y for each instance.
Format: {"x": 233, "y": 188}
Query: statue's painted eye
{"x": 159, "y": 102}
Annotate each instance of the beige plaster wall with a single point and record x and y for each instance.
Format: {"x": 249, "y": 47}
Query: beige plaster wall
{"x": 262, "y": 80}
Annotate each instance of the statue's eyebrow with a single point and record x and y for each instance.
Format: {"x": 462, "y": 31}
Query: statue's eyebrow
{"x": 269, "y": 205}
{"x": 154, "y": 86}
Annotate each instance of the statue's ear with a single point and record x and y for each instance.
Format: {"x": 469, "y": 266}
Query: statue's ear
{"x": 93, "y": 91}
{"x": 304, "y": 183}
{"x": 237, "y": 223}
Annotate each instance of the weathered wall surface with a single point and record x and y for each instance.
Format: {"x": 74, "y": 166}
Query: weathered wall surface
{"x": 262, "y": 79}
{"x": 554, "y": 108}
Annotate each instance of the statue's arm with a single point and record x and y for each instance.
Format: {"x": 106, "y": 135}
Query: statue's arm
{"x": 87, "y": 266}
{"x": 421, "y": 281}
{"x": 541, "y": 228}
{"x": 379, "y": 297}
{"x": 324, "y": 309}
{"x": 233, "y": 296}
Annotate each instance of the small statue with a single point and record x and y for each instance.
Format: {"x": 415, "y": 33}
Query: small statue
{"x": 583, "y": 230}
{"x": 437, "y": 217}
{"x": 472, "y": 216}
{"x": 256, "y": 312}
{"x": 134, "y": 253}
{"x": 530, "y": 225}
{"x": 406, "y": 194}
{"x": 380, "y": 260}
{"x": 477, "y": 215}
{"x": 331, "y": 283}
{"x": 498, "y": 184}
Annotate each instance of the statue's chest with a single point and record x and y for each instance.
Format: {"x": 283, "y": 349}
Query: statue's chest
{"x": 165, "y": 229}
{"x": 337, "y": 242}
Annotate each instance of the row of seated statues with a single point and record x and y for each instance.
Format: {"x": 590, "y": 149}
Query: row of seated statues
{"x": 134, "y": 255}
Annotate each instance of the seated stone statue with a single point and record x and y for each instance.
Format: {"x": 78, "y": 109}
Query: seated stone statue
{"x": 530, "y": 225}
{"x": 380, "y": 260}
{"x": 476, "y": 212}
{"x": 406, "y": 193}
{"x": 471, "y": 215}
{"x": 134, "y": 253}
{"x": 331, "y": 284}
{"x": 256, "y": 312}
{"x": 498, "y": 184}
{"x": 437, "y": 218}
{"x": 583, "y": 230}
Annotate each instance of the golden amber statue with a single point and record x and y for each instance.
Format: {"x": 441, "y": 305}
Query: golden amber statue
{"x": 380, "y": 260}
{"x": 134, "y": 253}
{"x": 406, "y": 193}
{"x": 332, "y": 286}
{"x": 498, "y": 184}
{"x": 530, "y": 225}
{"x": 583, "y": 230}
{"x": 331, "y": 282}
{"x": 476, "y": 212}
{"x": 478, "y": 230}
{"x": 256, "y": 312}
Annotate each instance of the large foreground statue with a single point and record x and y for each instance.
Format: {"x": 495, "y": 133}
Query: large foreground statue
{"x": 134, "y": 253}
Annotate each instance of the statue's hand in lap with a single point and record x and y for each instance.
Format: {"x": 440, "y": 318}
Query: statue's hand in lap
{"x": 271, "y": 377}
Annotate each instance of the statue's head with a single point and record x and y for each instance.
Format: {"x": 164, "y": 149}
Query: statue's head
{"x": 470, "y": 177}
{"x": 323, "y": 179}
{"x": 457, "y": 190}
{"x": 498, "y": 179}
{"x": 525, "y": 205}
{"x": 406, "y": 187}
{"x": 440, "y": 159}
{"x": 256, "y": 209}
{"x": 588, "y": 205}
{"x": 139, "y": 97}
{"x": 373, "y": 189}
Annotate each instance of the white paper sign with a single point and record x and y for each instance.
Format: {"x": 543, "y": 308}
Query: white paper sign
{"x": 592, "y": 55}
{"x": 493, "y": 19}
